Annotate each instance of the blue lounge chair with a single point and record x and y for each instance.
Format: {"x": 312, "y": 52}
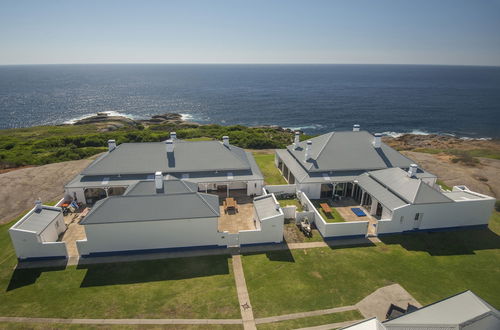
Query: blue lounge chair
{"x": 359, "y": 212}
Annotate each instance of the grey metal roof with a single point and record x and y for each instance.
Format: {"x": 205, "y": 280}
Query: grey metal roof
{"x": 142, "y": 188}
{"x": 412, "y": 190}
{"x": 38, "y": 221}
{"x": 188, "y": 156}
{"x": 449, "y": 313}
{"x": 463, "y": 196}
{"x": 347, "y": 151}
{"x": 265, "y": 207}
{"x": 120, "y": 209}
{"x": 382, "y": 194}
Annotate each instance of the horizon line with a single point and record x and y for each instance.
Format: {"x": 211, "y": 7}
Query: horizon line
{"x": 247, "y": 63}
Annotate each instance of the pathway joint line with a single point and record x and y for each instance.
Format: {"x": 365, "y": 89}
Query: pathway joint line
{"x": 243, "y": 297}
{"x": 331, "y": 325}
{"x": 118, "y": 321}
{"x": 299, "y": 315}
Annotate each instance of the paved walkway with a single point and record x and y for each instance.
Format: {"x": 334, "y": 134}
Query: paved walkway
{"x": 304, "y": 314}
{"x": 331, "y": 325}
{"x": 243, "y": 297}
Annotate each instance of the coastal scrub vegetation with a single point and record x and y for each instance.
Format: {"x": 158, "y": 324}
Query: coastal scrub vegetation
{"x": 49, "y": 144}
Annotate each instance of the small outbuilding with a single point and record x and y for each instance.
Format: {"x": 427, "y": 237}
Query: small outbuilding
{"x": 36, "y": 234}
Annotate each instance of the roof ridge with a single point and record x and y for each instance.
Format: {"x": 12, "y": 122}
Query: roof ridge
{"x": 324, "y": 145}
{"x": 207, "y": 203}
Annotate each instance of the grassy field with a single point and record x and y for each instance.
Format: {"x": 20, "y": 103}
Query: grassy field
{"x": 293, "y": 202}
{"x": 266, "y": 164}
{"x": 431, "y": 266}
{"x": 45, "y": 326}
{"x": 201, "y": 287}
{"x": 312, "y": 321}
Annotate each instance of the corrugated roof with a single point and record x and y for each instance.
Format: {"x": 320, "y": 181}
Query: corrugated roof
{"x": 382, "y": 194}
{"x": 448, "y": 313}
{"x": 119, "y": 209}
{"x": 347, "y": 151}
{"x": 188, "y": 156}
{"x": 265, "y": 207}
{"x": 412, "y": 190}
{"x": 169, "y": 187}
{"x": 38, "y": 221}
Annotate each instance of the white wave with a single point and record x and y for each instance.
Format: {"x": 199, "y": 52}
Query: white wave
{"x": 310, "y": 127}
{"x": 398, "y": 134}
{"x": 109, "y": 113}
{"x": 186, "y": 116}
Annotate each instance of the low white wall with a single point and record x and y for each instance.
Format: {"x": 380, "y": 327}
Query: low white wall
{"x": 289, "y": 211}
{"x": 27, "y": 245}
{"x": 439, "y": 215}
{"x": 337, "y": 229}
{"x": 271, "y": 231}
{"x": 52, "y": 232}
{"x": 255, "y": 187}
{"x": 312, "y": 190}
{"x": 299, "y": 216}
{"x": 148, "y": 235}
{"x": 281, "y": 189}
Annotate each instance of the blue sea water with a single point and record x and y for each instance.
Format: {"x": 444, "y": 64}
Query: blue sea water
{"x": 459, "y": 100}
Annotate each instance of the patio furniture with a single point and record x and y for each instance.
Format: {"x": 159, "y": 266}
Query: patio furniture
{"x": 231, "y": 204}
{"x": 326, "y": 208}
{"x": 359, "y": 212}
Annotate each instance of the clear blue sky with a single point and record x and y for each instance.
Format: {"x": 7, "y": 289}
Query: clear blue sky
{"x": 254, "y": 31}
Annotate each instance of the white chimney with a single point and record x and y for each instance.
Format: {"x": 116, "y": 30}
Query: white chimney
{"x": 377, "y": 140}
{"x": 225, "y": 140}
{"x": 355, "y": 128}
{"x": 158, "y": 180}
{"x": 296, "y": 139}
{"x": 308, "y": 151}
{"x": 173, "y": 136}
{"x": 111, "y": 145}
{"x": 412, "y": 171}
{"x": 38, "y": 205}
{"x": 170, "y": 145}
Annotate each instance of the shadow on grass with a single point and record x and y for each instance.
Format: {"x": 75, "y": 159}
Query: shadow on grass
{"x": 27, "y": 276}
{"x": 455, "y": 242}
{"x": 154, "y": 270}
{"x": 346, "y": 243}
{"x": 284, "y": 255}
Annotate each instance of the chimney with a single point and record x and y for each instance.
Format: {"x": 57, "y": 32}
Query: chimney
{"x": 111, "y": 145}
{"x": 296, "y": 140}
{"x": 355, "y": 128}
{"x": 170, "y": 145}
{"x": 38, "y": 205}
{"x": 377, "y": 140}
{"x": 225, "y": 140}
{"x": 308, "y": 151}
{"x": 173, "y": 136}
{"x": 158, "y": 180}
{"x": 412, "y": 171}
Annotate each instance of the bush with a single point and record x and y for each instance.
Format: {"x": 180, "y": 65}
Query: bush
{"x": 497, "y": 205}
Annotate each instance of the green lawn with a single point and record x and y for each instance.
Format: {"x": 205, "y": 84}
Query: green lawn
{"x": 271, "y": 173}
{"x": 201, "y": 287}
{"x": 312, "y": 321}
{"x": 334, "y": 216}
{"x": 293, "y": 202}
{"x": 431, "y": 266}
{"x": 45, "y": 326}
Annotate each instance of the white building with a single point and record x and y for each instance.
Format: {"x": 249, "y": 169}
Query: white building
{"x": 462, "y": 311}
{"x": 36, "y": 234}
{"x": 394, "y": 192}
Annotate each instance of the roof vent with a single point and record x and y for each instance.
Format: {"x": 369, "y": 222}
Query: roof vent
{"x": 158, "y": 181}
{"x": 296, "y": 140}
{"x": 377, "y": 140}
{"x": 38, "y": 205}
{"x": 170, "y": 145}
{"x": 412, "y": 171}
{"x": 308, "y": 151}
{"x": 225, "y": 140}
{"x": 111, "y": 145}
{"x": 173, "y": 136}
{"x": 355, "y": 128}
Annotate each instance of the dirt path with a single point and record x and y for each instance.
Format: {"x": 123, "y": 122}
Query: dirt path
{"x": 20, "y": 188}
{"x": 483, "y": 178}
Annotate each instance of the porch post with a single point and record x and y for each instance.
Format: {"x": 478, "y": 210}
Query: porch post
{"x": 333, "y": 193}
{"x": 362, "y": 197}
{"x": 227, "y": 185}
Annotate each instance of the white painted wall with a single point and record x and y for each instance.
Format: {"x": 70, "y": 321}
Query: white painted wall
{"x": 289, "y": 211}
{"x": 147, "y": 235}
{"x": 271, "y": 231}
{"x": 281, "y": 189}
{"x": 255, "y": 187}
{"x": 52, "y": 232}
{"x": 440, "y": 215}
{"x": 313, "y": 190}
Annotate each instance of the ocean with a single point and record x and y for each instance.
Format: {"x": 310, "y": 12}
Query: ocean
{"x": 463, "y": 101}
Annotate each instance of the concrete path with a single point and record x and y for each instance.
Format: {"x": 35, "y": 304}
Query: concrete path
{"x": 331, "y": 325}
{"x": 119, "y": 321}
{"x": 304, "y": 314}
{"x": 377, "y": 303}
{"x": 243, "y": 297}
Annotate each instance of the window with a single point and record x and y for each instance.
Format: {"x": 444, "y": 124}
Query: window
{"x": 417, "y": 215}
{"x": 401, "y": 220}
